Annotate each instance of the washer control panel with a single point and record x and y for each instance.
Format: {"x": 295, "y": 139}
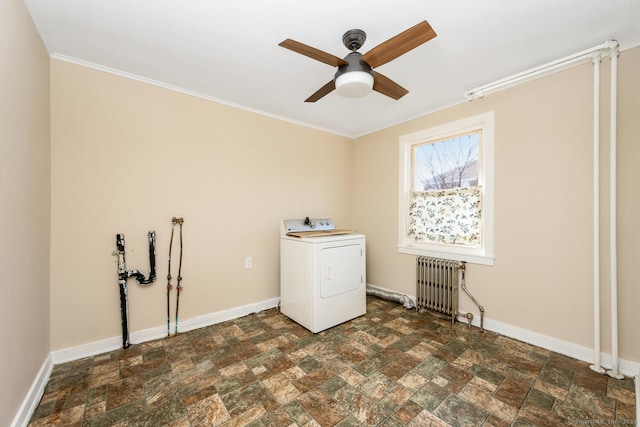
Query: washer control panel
{"x": 308, "y": 224}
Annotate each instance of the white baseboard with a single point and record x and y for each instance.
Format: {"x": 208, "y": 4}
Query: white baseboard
{"x": 626, "y": 367}
{"x": 31, "y": 400}
{"x": 137, "y": 337}
{"x": 224, "y": 315}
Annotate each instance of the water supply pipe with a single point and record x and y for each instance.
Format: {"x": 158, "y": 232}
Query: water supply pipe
{"x": 593, "y": 53}
{"x": 481, "y": 308}
{"x": 613, "y": 246}
{"x": 637, "y": 381}
{"x": 539, "y": 71}
{"x": 596, "y": 214}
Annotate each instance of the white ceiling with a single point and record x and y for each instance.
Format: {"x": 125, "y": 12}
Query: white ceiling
{"x": 228, "y": 51}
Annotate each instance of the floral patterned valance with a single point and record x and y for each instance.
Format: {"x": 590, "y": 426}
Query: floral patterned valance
{"x": 450, "y": 216}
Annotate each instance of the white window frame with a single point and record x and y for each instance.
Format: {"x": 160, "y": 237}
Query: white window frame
{"x": 482, "y": 254}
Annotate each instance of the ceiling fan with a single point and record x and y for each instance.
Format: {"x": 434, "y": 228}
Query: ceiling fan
{"x": 355, "y": 76}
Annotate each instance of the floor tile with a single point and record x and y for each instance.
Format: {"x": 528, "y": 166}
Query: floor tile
{"x": 390, "y": 368}
{"x": 459, "y": 412}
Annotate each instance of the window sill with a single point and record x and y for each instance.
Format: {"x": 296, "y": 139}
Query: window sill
{"x": 461, "y": 255}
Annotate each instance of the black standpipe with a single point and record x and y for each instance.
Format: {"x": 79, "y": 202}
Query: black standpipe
{"x": 124, "y": 274}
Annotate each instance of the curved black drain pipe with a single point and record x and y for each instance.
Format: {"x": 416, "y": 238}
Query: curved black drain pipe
{"x": 124, "y": 274}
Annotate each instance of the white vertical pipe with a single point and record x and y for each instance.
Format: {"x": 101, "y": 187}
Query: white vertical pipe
{"x": 596, "y": 213}
{"x": 613, "y": 213}
{"x": 637, "y": 381}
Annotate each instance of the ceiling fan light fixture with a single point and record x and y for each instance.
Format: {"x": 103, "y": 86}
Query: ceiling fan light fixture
{"x": 354, "y": 84}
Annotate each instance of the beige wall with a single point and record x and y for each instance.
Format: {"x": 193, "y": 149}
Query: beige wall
{"x": 128, "y": 156}
{"x": 628, "y": 195}
{"x": 542, "y": 277}
{"x": 24, "y": 206}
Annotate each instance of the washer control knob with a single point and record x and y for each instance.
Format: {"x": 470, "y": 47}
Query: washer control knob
{"x": 309, "y": 223}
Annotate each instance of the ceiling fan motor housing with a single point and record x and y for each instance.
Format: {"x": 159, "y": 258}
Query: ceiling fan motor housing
{"x": 355, "y": 63}
{"x": 355, "y": 79}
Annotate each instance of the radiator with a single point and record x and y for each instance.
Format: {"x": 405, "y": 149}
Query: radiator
{"x": 437, "y": 285}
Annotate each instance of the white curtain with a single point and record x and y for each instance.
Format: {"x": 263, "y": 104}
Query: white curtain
{"x": 451, "y": 216}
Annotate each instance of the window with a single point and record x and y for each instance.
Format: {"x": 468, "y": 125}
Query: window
{"x": 446, "y": 191}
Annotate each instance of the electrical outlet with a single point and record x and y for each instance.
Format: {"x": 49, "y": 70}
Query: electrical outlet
{"x": 248, "y": 262}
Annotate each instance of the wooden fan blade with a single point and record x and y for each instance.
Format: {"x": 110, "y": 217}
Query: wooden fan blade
{"x": 399, "y": 45}
{"x": 324, "y": 90}
{"x": 313, "y": 53}
{"x": 388, "y": 87}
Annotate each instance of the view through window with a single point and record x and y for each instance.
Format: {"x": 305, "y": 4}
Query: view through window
{"x": 446, "y": 164}
{"x": 445, "y": 204}
{"x": 446, "y": 190}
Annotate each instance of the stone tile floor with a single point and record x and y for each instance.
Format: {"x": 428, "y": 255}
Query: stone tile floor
{"x": 391, "y": 367}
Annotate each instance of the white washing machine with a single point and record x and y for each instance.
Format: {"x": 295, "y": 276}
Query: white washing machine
{"x": 322, "y": 273}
